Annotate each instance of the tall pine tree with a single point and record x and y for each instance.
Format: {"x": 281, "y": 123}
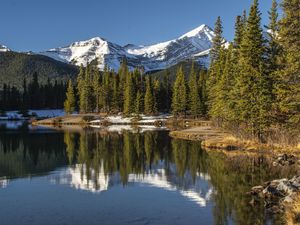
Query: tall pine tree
{"x": 288, "y": 87}
{"x": 179, "y": 98}
{"x": 149, "y": 104}
{"x": 252, "y": 83}
{"x": 69, "y": 104}
{"x": 194, "y": 97}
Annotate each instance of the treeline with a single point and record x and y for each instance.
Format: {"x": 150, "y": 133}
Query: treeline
{"x": 254, "y": 82}
{"x": 133, "y": 92}
{"x": 33, "y": 95}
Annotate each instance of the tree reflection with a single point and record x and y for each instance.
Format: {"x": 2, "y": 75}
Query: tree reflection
{"x": 127, "y": 157}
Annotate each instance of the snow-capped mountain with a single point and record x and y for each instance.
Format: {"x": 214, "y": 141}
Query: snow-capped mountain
{"x": 3, "y": 48}
{"x": 194, "y": 44}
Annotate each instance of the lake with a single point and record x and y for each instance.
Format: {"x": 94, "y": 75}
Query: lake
{"x": 139, "y": 176}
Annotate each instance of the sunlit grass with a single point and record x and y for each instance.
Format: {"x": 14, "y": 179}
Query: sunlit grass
{"x": 292, "y": 214}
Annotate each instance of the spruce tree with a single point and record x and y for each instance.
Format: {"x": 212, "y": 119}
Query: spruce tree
{"x": 166, "y": 96}
{"x": 217, "y": 41}
{"x": 202, "y": 83}
{"x": 239, "y": 29}
{"x": 97, "y": 89}
{"x": 86, "y": 98}
{"x": 273, "y": 47}
{"x": 194, "y": 97}
{"x": 116, "y": 95}
{"x": 216, "y": 66}
{"x": 252, "y": 83}
{"x": 157, "y": 94}
{"x": 179, "y": 98}
{"x": 129, "y": 95}
{"x": 69, "y": 104}
{"x": 149, "y": 98}
{"x": 288, "y": 85}
{"x": 218, "y": 104}
{"x": 106, "y": 99}
{"x": 138, "y": 103}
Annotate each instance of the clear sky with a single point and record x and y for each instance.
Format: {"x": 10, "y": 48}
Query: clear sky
{"x": 42, "y": 24}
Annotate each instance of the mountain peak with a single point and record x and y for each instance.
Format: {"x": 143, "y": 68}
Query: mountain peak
{"x": 198, "y": 31}
{"x": 95, "y": 41}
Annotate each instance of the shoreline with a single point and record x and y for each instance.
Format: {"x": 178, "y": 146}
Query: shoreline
{"x": 216, "y": 139}
{"x": 180, "y": 128}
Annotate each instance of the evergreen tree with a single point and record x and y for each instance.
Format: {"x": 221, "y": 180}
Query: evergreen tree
{"x": 203, "y": 91}
{"x": 217, "y": 42}
{"x": 25, "y": 102}
{"x": 34, "y": 92}
{"x": 273, "y": 47}
{"x": 217, "y": 108}
{"x": 239, "y": 29}
{"x": 80, "y": 88}
{"x": 216, "y": 66}
{"x": 97, "y": 89}
{"x": 253, "y": 82}
{"x": 138, "y": 103}
{"x": 288, "y": 85}
{"x": 69, "y": 104}
{"x": 86, "y": 99}
{"x": 149, "y": 98}
{"x": 116, "y": 95}
{"x": 129, "y": 95}
{"x": 194, "y": 97}
{"x": 166, "y": 96}
{"x": 215, "y": 73}
{"x": 157, "y": 94}
{"x": 123, "y": 72}
{"x": 179, "y": 98}
{"x": 244, "y": 18}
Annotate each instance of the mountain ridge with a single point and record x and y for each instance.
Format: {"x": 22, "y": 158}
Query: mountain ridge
{"x": 194, "y": 44}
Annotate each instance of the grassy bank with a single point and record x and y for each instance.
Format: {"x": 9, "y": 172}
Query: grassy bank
{"x": 292, "y": 212}
{"x": 213, "y": 138}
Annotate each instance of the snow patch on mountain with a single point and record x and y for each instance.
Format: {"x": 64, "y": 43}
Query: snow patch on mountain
{"x": 3, "y": 48}
{"x": 192, "y": 45}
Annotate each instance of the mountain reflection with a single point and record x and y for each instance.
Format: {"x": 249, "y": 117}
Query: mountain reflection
{"x": 3, "y": 182}
{"x": 198, "y": 191}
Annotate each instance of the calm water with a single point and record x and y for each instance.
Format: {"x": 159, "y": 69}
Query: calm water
{"x": 141, "y": 177}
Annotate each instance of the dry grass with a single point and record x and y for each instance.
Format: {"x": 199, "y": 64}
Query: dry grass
{"x": 292, "y": 213}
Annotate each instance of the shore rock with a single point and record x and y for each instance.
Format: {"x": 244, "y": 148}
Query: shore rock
{"x": 277, "y": 192}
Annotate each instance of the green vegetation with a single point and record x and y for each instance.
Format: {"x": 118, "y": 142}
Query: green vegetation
{"x": 15, "y": 67}
{"x": 131, "y": 92}
{"x": 254, "y": 83}
{"x": 32, "y": 81}
{"x": 33, "y": 95}
{"x": 69, "y": 103}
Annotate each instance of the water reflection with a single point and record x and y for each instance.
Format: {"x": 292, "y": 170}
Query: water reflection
{"x": 96, "y": 161}
{"x": 198, "y": 191}
{"x": 3, "y": 182}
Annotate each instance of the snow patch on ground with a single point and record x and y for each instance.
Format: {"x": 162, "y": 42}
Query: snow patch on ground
{"x": 127, "y": 120}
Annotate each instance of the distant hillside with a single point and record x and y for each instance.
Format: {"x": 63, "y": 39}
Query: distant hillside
{"x": 15, "y": 66}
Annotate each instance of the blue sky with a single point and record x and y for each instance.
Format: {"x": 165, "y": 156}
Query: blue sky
{"x": 42, "y": 24}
